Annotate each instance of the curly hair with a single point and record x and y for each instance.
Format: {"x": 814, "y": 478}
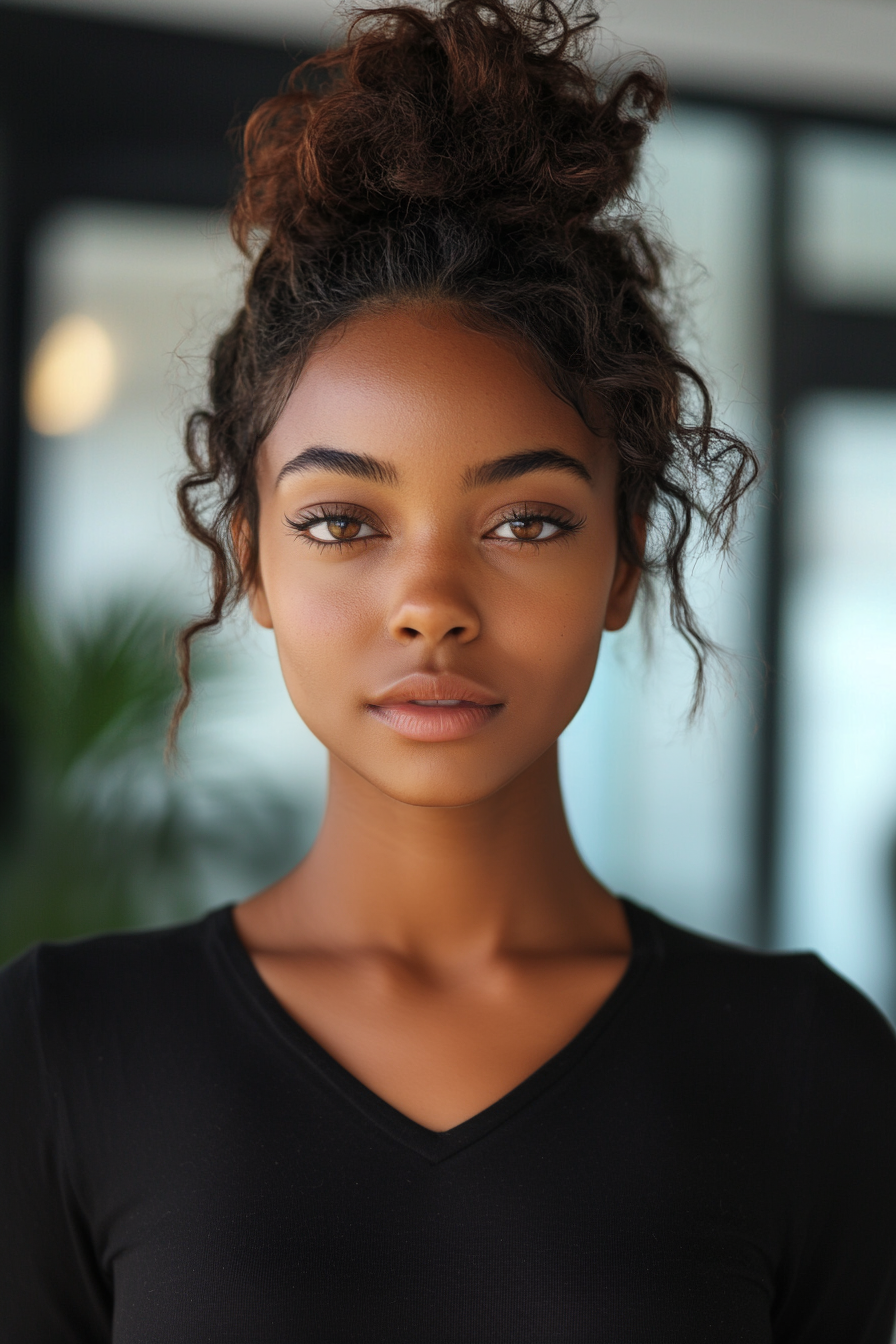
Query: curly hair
{"x": 467, "y": 155}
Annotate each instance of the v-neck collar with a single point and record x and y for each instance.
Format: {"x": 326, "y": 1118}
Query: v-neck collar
{"x": 433, "y": 1145}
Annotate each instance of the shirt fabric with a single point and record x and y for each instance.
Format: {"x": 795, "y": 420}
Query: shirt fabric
{"x": 711, "y": 1159}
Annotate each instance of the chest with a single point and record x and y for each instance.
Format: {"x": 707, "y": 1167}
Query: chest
{"x": 442, "y": 1052}
{"x": 276, "y": 1207}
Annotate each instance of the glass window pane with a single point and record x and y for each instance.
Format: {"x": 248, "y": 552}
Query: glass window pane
{"x": 838, "y": 863}
{"x": 844, "y": 205}
{"x": 661, "y": 810}
{"x": 100, "y": 511}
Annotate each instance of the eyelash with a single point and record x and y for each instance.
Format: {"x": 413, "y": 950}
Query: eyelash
{"x": 566, "y": 526}
{"x": 322, "y": 514}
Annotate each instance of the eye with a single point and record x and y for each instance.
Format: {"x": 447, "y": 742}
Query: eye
{"x": 527, "y": 529}
{"x": 338, "y": 528}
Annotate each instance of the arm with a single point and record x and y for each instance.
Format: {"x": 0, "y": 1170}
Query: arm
{"x": 840, "y": 1281}
{"x": 51, "y": 1289}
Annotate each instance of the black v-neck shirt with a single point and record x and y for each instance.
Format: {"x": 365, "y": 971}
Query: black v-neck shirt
{"x": 712, "y": 1158}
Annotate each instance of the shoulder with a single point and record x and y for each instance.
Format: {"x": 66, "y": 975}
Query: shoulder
{"x": 63, "y": 994}
{"x": 788, "y": 1009}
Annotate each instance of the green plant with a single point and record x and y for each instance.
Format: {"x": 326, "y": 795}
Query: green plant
{"x": 100, "y": 834}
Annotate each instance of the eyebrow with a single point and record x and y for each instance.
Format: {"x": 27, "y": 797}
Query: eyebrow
{"x": 512, "y": 466}
{"x": 320, "y": 457}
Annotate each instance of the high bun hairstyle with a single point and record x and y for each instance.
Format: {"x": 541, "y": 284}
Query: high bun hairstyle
{"x": 463, "y": 154}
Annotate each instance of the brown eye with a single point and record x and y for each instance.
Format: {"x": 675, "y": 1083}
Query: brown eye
{"x": 526, "y": 529}
{"x": 343, "y": 529}
{"x": 338, "y": 528}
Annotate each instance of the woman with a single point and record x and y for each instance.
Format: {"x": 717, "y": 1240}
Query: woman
{"x": 438, "y": 1083}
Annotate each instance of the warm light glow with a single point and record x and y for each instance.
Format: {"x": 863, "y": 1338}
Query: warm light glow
{"x": 71, "y": 378}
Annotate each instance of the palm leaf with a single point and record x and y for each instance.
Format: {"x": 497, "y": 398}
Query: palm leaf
{"x": 101, "y": 835}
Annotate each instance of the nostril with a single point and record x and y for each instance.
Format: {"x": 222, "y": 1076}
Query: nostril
{"x": 431, "y": 625}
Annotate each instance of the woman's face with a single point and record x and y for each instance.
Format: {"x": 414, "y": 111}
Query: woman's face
{"x": 435, "y": 526}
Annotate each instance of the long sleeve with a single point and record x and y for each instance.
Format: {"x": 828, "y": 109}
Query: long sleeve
{"x": 840, "y": 1285}
{"x": 51, "y": 1290}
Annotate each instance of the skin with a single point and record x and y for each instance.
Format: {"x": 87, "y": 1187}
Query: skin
{"x": 442, "y": 939}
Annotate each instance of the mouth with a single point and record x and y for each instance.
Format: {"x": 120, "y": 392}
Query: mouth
{"x": 436, "y": 709}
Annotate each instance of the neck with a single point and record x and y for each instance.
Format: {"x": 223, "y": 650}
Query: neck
{"x": 447, "y": 882}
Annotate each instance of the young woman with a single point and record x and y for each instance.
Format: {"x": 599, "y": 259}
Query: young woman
{"x": 438, "y": 1084}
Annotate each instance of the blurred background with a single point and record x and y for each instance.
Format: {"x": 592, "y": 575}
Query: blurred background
{"x": 772, "y": 820}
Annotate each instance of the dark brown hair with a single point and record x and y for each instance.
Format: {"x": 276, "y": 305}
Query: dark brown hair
{"x": 465, "y": 155}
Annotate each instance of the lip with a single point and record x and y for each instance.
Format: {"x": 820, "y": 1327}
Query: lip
{"x": 398, "y": 708}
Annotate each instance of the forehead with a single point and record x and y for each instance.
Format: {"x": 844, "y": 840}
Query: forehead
{"x": 420, "y": 387}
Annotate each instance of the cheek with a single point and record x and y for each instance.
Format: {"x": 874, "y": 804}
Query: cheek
{"x": 565, "y": 637}
{"x": 550, "y": 633}
{"x": 320, "y": 626}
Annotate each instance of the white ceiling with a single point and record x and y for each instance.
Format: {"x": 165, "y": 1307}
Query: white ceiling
{"x": 838, "y": 53}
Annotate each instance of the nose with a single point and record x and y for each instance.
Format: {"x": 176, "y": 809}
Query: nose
{"x": 433, "y": 607}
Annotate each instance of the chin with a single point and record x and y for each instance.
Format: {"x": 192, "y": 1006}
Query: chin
{"x": 423, "y": 797}
{"x": 438, "y": 787}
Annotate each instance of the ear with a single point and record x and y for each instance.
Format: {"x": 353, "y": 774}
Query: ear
{"x": 625, "y": 581}
{"x": 254, "y": 589}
